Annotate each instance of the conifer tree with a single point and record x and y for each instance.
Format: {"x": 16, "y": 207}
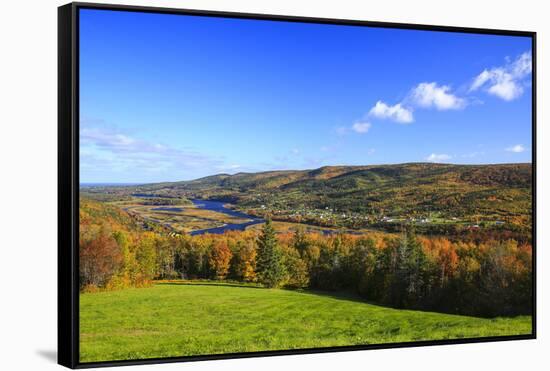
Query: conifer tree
{"x": 270, "y": 268}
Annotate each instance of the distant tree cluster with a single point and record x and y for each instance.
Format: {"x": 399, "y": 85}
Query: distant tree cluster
{"x": 164, "y": 201}
{"x": 491, "y": 277}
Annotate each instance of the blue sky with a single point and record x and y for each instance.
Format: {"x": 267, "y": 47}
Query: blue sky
{"x": 171, "y": 97}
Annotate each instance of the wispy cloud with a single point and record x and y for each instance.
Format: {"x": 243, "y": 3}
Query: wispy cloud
{"x": 432, "y": 95}
{"x": 434, "y": 157}
{"x": 397, "y": 112}
{"x": 108, "y": 150}
{"x": 361, "y": 127}
{"x": 506, "y": 82}
{"x": 518, "y": 148}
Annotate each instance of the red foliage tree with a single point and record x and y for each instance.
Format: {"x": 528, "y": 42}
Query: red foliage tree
{"x": 100, "y": 258}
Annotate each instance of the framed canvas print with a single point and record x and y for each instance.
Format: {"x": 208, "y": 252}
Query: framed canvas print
{"x": 237, "y": 185}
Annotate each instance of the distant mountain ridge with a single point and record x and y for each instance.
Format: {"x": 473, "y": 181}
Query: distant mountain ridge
{"x": 506, "y": 174}
{"x": 436, "y": 195}
{"x": 498, "y": 191}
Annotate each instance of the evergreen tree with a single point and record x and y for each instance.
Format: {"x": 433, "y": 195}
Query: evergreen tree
{"x": 409, "y": 281}
{"x": 270, "y": 268}
{"x": 417, "y": 266}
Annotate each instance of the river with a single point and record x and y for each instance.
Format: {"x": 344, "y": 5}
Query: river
{"x": 219, "y": 206}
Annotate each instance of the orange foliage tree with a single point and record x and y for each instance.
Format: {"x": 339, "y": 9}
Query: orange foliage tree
{"x": 220, "y": 256}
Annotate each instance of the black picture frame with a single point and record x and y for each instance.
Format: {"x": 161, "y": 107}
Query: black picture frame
{"x": 68, "y": 181}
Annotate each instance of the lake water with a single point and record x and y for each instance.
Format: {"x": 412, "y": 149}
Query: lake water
{"x": 219, "y": 206}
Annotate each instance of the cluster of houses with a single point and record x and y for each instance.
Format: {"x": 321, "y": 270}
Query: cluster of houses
{"x": 329, "y": 215}
{"x": 326, "y": 214}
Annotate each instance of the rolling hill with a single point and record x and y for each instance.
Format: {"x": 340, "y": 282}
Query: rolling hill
{"x": 412, "y": 189}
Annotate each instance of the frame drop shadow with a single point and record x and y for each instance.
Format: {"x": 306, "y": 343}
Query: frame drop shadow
{"x": 49, "y": 354}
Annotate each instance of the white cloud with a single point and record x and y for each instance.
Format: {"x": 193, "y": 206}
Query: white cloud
{"x": 430, "y": 94}
{"x": 507, "y": 89}
{"x": 481, "y": 79}
{"x": 518, "y": 148}
{"x": 434, "y": 157}
{"x": 424, "y": 95}
{"x": 396, "y": 112}
{"x": 523, "y": 65}
{"x": 361, "y": 127}
{"x": 506, "y": 82}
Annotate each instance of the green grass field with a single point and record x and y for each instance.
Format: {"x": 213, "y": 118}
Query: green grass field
{"x": 182, "y": 319}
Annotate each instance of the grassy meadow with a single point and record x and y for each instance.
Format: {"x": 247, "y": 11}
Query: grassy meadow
{"x": 182, "y": 318}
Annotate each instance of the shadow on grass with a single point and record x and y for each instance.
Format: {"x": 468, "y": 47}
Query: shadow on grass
{"x": 340, "y": 295}
{"x": 344, "y": 295}
{"x": 216, "y": 284}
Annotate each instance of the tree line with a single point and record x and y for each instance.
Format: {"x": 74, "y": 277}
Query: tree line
{"x": 487, "y": 278}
